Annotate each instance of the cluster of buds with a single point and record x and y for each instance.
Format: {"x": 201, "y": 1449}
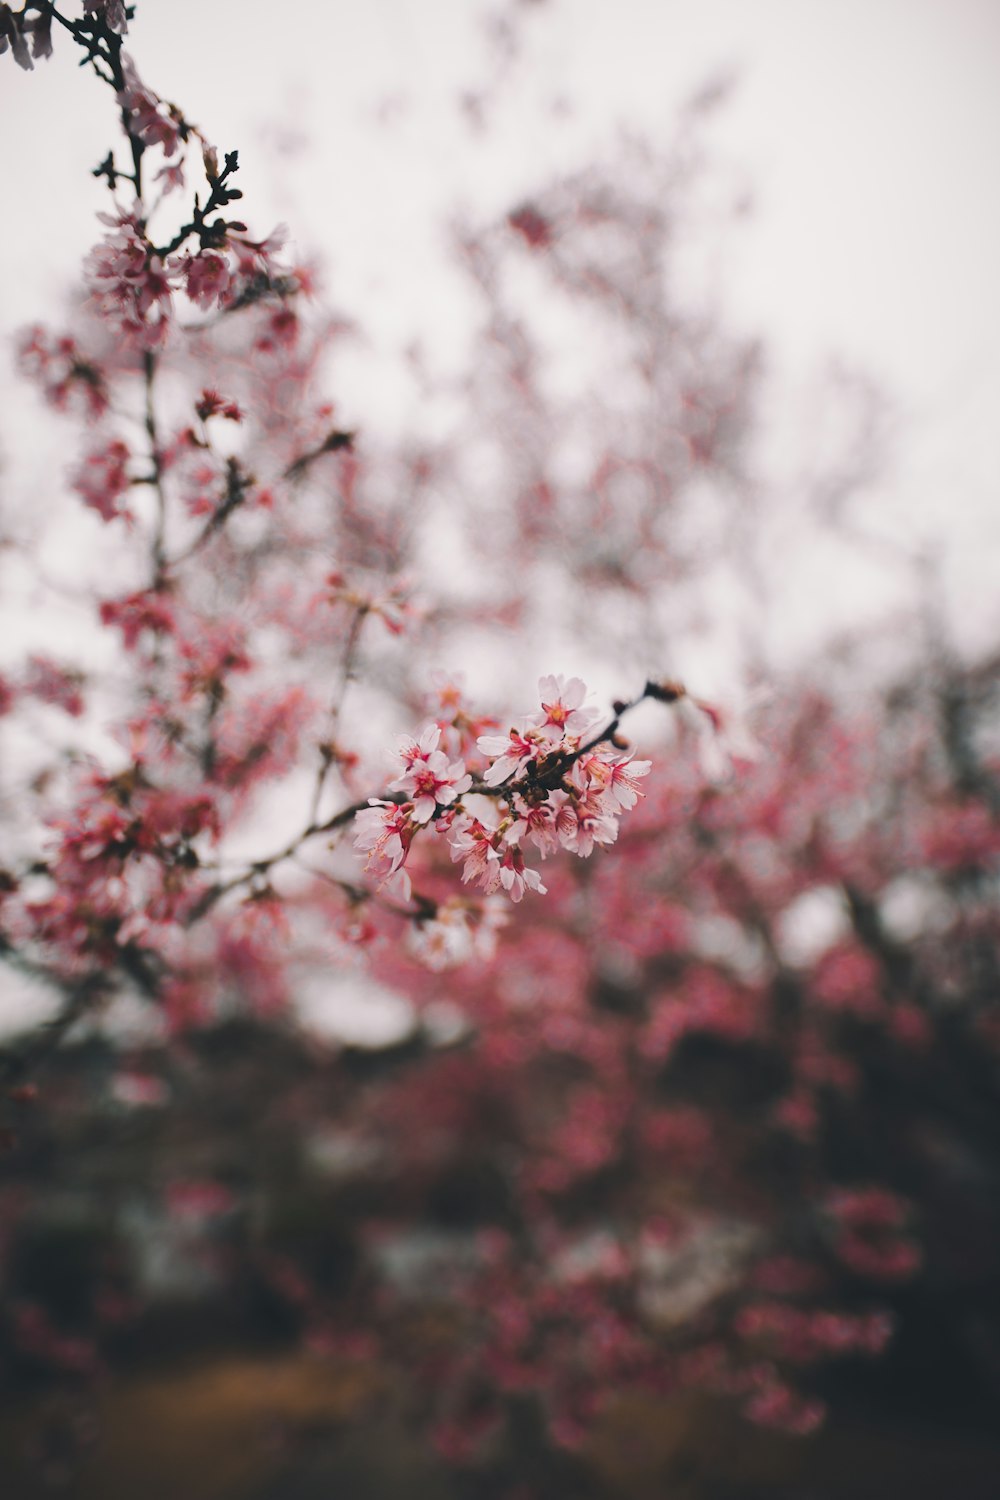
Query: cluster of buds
{"x": 544, "y": 784}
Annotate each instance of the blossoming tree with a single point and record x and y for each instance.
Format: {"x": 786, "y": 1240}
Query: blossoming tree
{"x": 653, "y": 1140}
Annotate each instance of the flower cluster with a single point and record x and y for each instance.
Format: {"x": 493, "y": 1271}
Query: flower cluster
{"x": 128, "y": 282}
{"x": 543, "y": 784}
{"x": 153, "y": 122}
{"x": 68, "y": 378}
{"x": 102, "y": 480}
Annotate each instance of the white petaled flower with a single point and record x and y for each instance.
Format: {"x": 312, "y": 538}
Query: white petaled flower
{"x": 537, "y": 824}
{"x": 472, "y": 842}
{"x": 510, "y": 754}
{"x": 562, "y": 714}
{"x": 515, "y": 876}
{"x": 411, "y": 750}
{"x": 616, "y": 777}
{"x": 584, "y": 822}
{"x": 430, "y": 780}
{"x": 385, "y": 832}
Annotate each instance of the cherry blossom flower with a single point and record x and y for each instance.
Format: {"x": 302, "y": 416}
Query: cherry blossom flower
{"x": 582, "y": 823}
{"x": 47, "y": 681}
{"x": 385, "y": 831}
{"x": 103, "y": 479}
{"x": 513, "y": 753}
{"x": 208, "y": 279}
{"x": 429, "y": 779}
{"x": 129, "y": 284}
{"x": 616, "y": 778}
{"x": 136, "y": 613}
{"x": 473, "y": 842}
{"x": 394, "y": 608}
{"x": 171, "y": 174}
{"x": 413, "y": 750}
{"x": 147, "y": 119}
{"x": 63, "y": 372}
{"x": 537, "y": 823}
{"x": 515, "y": 876}
{"x": 562, "y": 714}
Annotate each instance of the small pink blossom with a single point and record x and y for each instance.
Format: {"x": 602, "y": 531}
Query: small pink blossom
{"x": 582, "y": 823}
{"x": 208, "y": 279}
{"x": 473, "y": 842}
{"x": 102, "y": 480}
{"x": 153, "y": 122}
{"x": 512, "y": 753}
{"x": 171, "y": 175}
{"x": 428, "y": 778}
{"x": 129, "y": 284}
{"x": 413, "y": 750}
{"x": 65, "y": 375}
{"x": 385, "y": 832}
{"x": 537, "y": 824}
{"x": 616, "y": 777}
{"x": 515, "y": 876}
{"x": 47, "y": 681}
{"x": 561, "y": 713}
{"x": 147, "y": 610}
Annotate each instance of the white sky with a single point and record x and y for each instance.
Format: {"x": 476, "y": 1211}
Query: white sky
{"x": 867, "y": 130}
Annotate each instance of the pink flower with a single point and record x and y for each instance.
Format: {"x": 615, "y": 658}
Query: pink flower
{"x": 148, "y": 610}
{"x": 582, "y": 823}
{"x": 208, "y": 280}
{"x": 385, "y": 832}
{"x": 129, "y": 284}
{"x": 473, "y": 842}
{"x": 413, "y": 750}
{"x": 515, "y": 876}
{"x": 171, "y": 175}
{"x": 491, "y": 861}
{"x": 537, "y": 824}
{"x": 513, "y": 753}
{"x": 561, "y": 712}
{"x": 146, "y": 119}
{"x": 51, "y": 683}
{"x": 257, "y": 260}
{"x": 102, "y": 480}
{"x": 429, "y": 779}
{"x": 616, "y": 777}
{"x": 64, "y": 373}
